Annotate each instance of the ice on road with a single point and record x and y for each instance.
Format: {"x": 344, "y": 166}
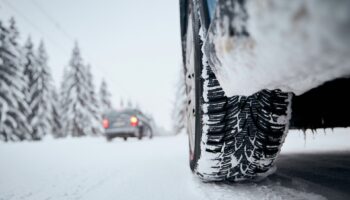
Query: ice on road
{"x": 92, "y": 168}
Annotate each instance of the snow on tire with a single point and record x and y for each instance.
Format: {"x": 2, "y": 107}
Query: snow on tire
{"x": 238, "y": 138}
{"x": 241, "y": 136}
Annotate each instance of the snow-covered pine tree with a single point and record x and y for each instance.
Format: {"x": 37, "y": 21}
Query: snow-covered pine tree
{"x": 76, "y": 114}
{"x": 13, "y": 106}
{"x": 49, "y": 93}
{"x": 31, "y": 72}
{"x": 95, "y": 113}
{"x": 39, "y": 90}
{"x": 74, "y": 96}
{"x": 29, "y": 62}
{"x": 105, "y": 97}
{"x": 64, "y": 99}
{"x": 56, "y": 115}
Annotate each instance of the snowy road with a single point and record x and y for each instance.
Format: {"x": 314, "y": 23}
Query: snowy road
{"x": 91, "y": 168}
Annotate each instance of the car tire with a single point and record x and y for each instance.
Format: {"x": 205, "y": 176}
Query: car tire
{"x": 140, "y": 134}
{"x": 234, "y": 138}
{"x": 150, "y": 134}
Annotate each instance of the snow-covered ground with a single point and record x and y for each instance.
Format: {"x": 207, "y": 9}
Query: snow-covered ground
{"x": 91, "y": 168}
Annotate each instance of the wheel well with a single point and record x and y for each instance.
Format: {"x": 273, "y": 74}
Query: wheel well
{"x": 327, "y": 106}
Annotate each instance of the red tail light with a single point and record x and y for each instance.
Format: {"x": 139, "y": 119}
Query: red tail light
{"x": 134, "y": 121}
{"x": 105, "y": 123}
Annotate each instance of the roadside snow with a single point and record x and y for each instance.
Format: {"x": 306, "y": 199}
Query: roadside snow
{"x": 91, "y": 168}
{"x": 323, "y": 140}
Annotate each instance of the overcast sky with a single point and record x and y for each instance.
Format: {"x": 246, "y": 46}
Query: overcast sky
{"x": 134, "y": 45}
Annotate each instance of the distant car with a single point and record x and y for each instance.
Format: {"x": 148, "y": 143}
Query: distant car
{"x": 127, "y": 123}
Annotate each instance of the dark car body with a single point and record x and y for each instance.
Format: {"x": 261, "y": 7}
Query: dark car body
{"x": 127, "y": 123}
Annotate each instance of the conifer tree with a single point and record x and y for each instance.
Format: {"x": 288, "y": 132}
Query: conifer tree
{"x": 79, "y": 115}
{"x": 13, "y": 106}
{"x": 94, "y": 110}
{"x": 39, "y": 91}
{"x": 105, "y": 97}
{"x": 56, "y": 115}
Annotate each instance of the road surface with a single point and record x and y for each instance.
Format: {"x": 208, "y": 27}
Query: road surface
{"x": 317, "y": 167}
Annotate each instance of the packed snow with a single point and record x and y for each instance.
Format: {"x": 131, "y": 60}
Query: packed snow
{"x": 314, "y": 167}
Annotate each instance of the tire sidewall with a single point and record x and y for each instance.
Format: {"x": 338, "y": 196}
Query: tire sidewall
{"x": 198, "y": 86}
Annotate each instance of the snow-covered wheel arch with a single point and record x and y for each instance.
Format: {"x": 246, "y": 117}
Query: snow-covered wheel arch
{"x": 271, "y": 44}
